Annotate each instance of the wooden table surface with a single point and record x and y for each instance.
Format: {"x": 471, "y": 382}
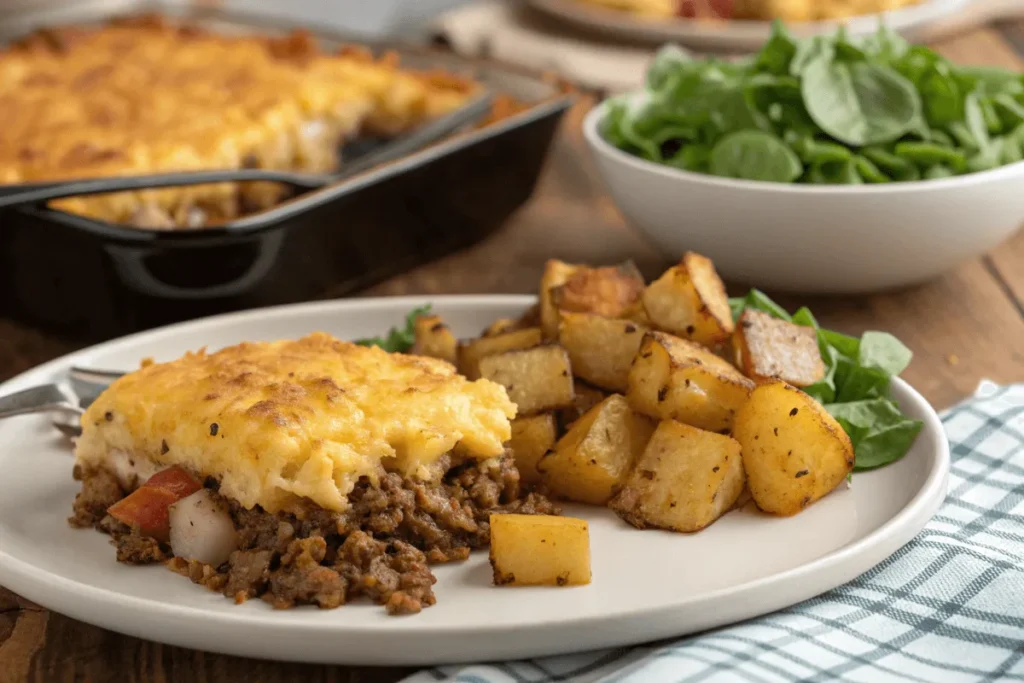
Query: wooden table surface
{"x": 966, "y": 326}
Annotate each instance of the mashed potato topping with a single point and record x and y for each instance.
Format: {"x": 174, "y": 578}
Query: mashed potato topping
{"x": 275, "y": 422}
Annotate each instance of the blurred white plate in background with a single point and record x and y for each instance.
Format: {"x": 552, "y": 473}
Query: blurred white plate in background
{"x": 735, "y": 35}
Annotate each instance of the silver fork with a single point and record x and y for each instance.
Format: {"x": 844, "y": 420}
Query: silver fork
{"x": 69, "y": 402}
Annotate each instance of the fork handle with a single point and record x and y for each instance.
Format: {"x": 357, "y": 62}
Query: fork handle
{"x": 37, "y": 400}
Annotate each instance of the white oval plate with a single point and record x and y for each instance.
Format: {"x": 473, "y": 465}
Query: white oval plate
{"x": 735, "y": 35}
{"x": 647, "y": 584}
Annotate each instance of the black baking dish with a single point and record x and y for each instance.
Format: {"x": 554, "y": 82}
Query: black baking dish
{"x": 87, "y": 280}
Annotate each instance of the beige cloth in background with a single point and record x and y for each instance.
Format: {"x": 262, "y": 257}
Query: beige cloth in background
{"x": 509, "y": 32}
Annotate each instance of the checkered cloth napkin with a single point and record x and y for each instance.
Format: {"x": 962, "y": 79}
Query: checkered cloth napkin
{"x": 948, "y": 606}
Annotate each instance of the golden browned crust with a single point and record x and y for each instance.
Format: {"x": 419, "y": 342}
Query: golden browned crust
{"x": 151, "y": 96}
{"x": 275, "y": 422}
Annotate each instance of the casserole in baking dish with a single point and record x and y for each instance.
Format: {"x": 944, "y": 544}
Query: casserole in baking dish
{"x": 147, "y": 95}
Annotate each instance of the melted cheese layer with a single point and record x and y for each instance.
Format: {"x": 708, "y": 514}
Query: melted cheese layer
{"x": 279, "y": 421}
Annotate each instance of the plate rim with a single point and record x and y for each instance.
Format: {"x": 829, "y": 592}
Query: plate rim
{"x": 734, "y": 34}
{"x": 844, "y": 563}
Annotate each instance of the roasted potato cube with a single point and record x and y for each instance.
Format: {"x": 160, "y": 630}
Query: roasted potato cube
{"x": 499, "y": 326}
{"x": 593, "y": 459}
{"x": 601, "y": 349}
{"x": 609, "y": 291}
{"x": 794, "y": 452}
{"x": 672, "y": 378}
{"x": 689, "y": 301}
{"x": 637, "y": 313}
{"x": 471, "y": 352}
{"x": 555, "y": 274}
{"x": 539, "y": 550}
{"x": 585, "y": 398}
{"x": 685, "y": 480}
{"x": 537, "y": 379}
{"x": 433, "y": 338}
{"x": 771, "y": 348}
{"x": 532, "y": 438}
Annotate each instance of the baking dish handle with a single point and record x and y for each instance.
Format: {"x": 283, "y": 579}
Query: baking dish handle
{"x": 130, "y": 264}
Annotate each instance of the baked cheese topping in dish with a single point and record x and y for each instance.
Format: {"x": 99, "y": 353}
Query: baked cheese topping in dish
{"x": 149, "y": 96}
{"x": 276, "y": 422}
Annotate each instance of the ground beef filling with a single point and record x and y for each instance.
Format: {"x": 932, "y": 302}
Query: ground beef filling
{"x": 379, "y": 548}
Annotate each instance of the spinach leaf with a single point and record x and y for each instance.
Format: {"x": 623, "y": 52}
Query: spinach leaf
{"x": 895, "y": 167}
{"x": 927, "y": 154}
{"x": 777, "y": 54}
{"x": 668, "y": 64}
{"x": 868, "y": 171}
{"x": 859, "y": 103}
{"x": 835, "y": 173}
{"x": 884, "y": 351}
{"x": 975, "y": 120}
{"x": 398, "y": 340}
{"x": 880, "y": 433}
{"x": 936, "y": 172}
{"x": 759, "y": 301}
{"x": 754, "y": 155}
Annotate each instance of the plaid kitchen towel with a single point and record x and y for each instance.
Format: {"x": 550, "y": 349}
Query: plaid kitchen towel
{"x": 948, "y": 606}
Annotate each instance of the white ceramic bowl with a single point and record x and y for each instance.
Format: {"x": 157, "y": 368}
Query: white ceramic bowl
{"x": 814, "y": 238}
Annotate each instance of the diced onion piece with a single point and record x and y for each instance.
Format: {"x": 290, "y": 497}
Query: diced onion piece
{"x": 146, "y": 507}
{"x": 202, "y": 530}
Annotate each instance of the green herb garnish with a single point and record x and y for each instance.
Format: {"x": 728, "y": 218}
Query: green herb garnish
{"x": 825, "y": 109}
{"x": 398, "y": 340}
{"x": 855, "y": 389}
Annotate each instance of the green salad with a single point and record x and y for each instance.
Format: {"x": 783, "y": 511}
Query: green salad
{"x": 826, "y": 109}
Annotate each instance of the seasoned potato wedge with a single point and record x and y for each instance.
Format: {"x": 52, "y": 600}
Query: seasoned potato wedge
{"x": 689, "y": 301}
{"x": 470, "y": 353}
{"x": 537, "y": 379}
{"x": 685, "y": 480}
{"x": 555, "y": 274}
{"x": 586, "y": 397}
{"x": 539, "y": 550}
{"x": 601, "y": 349}
{"x": 794, "y": 452}
{"x": 609, "y": 291}
{"x": 771, "y": 348}
{"x": 433, "y": 338}
{"x": 595, "y": 456}
{"x": 675, "y": 379}
{"x": 532, "y": 438}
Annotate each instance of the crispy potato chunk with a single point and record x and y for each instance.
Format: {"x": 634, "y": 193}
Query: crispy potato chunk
{"x": 794, "y": 452}
{"x": 586, "y": 397}
{"x": 593, "y": 459}
{"x": 539, "y": 550}
{"x": 537, "y": 379}
{"x": 470, "y": 353}
{"x": 532, "y": 438}
{"x": 685, "y": 480}
{"x": 499, "y": 326}
{"x": 637, "y": 313}
{"x": 433, "y": 338}
{"x": 689, "y": 301}
{"x": 771, "y": 348}
{"x": 555, "y": 274}
{"x": 601, "y": 349}
{"x": 675, "y": 379}
{"x": 609, "y": 291}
